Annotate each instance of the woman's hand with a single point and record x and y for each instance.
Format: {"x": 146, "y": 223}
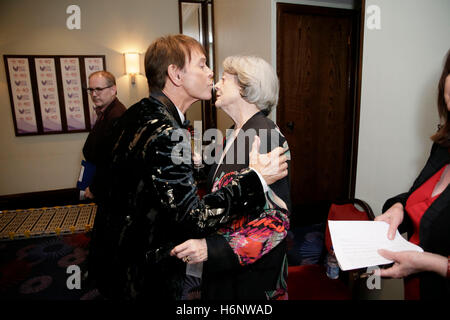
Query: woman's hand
{"x": 409, "y": 262}
{"x": 394, "y": 217}
{"x": 272, "y": 166}
{"x": 191, "y": 251}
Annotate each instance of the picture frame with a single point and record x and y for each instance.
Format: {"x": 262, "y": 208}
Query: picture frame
{"x": 47, "y": 92}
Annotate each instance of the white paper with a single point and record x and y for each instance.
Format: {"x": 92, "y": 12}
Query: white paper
{"x": 356, "y": 243}
{"x": 22, "y": 94}
{"x": 80, "y": 178}
{"x": 48, "y": 94}
{"x": 194, "y": 270}
{"x": 73, "y": 97}
{"x": 92, "y": 65}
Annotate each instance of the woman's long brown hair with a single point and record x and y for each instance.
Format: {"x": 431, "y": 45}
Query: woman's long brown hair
{"x": 442, "y": 137}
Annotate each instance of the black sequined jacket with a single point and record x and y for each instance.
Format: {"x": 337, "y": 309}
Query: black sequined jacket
{"x": 151, "y": 205}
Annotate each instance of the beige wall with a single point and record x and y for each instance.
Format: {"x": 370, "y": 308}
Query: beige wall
{"x": 241, "y": 27}
{"x": 30, "y": 27}
{"x": 402, "y": 62}
{"x": 401, "y": 66}
{"x": 248, "y": 27}
{"x": 401, "y": 69}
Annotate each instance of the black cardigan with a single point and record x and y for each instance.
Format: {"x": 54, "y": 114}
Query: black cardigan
{"x": 224, "y": 278}
{"x": 434, "y": 233}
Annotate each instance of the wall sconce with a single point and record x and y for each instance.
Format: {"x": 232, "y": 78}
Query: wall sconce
{"x": 132, "y": 65}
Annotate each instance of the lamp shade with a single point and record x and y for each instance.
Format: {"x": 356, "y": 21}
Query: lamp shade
{"x": 132, "y": 63}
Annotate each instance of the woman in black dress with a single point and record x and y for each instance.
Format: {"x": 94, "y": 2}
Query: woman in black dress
{"x": 246, "y": 259}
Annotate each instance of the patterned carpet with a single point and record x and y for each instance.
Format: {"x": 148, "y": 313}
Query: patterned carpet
{"x": 46, "y": 222}
{"x": 40, "y": 269}
{"x": 39, "y": 249}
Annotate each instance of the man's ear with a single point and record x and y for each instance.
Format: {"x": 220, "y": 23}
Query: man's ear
{"x": 175, "y": 75}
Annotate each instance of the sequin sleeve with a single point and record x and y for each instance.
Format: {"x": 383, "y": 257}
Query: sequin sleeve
{"x": 171, "y": 175}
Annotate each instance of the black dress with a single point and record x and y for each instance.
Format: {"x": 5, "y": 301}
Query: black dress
{"x": 247, "y": 258}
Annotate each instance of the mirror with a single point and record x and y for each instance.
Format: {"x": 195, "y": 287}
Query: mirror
{"x": 197, "y": 21}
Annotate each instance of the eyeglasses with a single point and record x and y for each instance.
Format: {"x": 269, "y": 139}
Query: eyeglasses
{"x": 96, "y": 90}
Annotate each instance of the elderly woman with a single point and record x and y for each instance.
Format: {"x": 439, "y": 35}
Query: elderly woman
{"x": 246, "y": 259}
{"x": 424, "y": 213}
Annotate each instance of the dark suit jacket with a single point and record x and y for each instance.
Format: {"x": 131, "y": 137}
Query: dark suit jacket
{"x": 434, "y": 227}
{"x": 93, "y": 149}
{"x": 98, "y": 146}
{"x": 151, "y": 205}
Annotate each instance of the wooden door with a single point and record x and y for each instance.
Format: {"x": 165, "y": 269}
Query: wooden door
{"x": 316, "y": 64}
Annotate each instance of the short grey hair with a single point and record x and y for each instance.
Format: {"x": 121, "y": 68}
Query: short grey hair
{"x": 257, "y": 79}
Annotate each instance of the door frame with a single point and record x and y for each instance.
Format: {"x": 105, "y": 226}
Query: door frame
{"x": 359, "y": 38}
{"x": 209, "y": 111}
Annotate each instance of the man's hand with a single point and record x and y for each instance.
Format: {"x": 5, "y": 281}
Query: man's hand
{"x": 88, "y": 194}
{"x": 272, "y": 166}
{"x": 196, "y": 159}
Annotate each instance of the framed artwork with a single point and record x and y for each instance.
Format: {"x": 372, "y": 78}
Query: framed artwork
{"x": 48, "y": 95}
